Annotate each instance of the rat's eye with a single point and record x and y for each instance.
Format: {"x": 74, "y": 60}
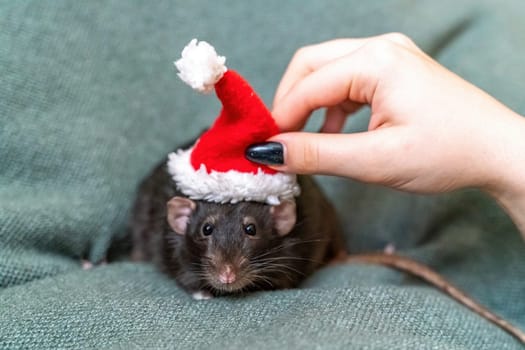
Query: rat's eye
{"x": 207, "y": 229}
{"x": 250, "y": 229}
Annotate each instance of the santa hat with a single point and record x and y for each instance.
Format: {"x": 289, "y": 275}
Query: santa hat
{"x": 215, "y": 168}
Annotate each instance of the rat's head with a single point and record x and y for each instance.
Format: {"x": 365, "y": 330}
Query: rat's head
{"x": 233, "y": 247}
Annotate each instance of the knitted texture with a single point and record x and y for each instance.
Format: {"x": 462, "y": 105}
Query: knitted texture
{"x": 90, "y": 101}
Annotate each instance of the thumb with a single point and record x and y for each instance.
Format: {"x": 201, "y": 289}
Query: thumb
{"x": 361, "y": 156}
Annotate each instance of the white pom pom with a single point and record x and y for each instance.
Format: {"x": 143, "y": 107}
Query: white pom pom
{"x": 200, "y": 67}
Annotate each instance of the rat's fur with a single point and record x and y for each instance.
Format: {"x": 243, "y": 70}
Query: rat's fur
{"x": 267, "y": 260}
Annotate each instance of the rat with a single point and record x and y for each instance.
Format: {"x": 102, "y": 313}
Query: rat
{"x": 213, "y": 249}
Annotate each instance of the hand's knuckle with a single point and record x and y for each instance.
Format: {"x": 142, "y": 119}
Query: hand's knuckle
{"x": 383, "y": 53}
{"x": 302, "y": 54}
{"x": 399, "y": 38}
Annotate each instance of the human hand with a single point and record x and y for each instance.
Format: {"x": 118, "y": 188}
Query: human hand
{"x": 430, "y": 131}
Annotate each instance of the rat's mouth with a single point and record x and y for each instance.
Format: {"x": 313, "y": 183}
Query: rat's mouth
{"x": 229, "y": 286}
{"x": 229, "y": 278}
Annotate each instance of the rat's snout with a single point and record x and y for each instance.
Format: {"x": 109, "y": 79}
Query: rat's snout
{"x": 227, "y": 274}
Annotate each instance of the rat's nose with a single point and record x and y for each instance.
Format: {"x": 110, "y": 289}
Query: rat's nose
{"x": 227, "y": 275}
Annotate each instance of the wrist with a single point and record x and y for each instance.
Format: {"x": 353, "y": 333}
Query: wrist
{"x": 507, "y": 183}
{"x": 514, "y": 205}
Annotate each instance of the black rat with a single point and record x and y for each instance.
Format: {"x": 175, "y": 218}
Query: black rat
{"x": 213, "y": 249}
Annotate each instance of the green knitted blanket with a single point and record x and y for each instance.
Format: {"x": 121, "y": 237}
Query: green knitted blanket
{"x": 89, "y": 102}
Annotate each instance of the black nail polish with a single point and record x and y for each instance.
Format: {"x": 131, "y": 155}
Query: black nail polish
{"x": 268, "y": 153}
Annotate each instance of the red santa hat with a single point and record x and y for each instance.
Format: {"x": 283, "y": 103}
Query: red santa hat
{"x": 215, "y": 168}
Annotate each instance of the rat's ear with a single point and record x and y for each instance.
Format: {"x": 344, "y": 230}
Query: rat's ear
{"x": 284, "y": 216}
{"x": 179, "y": 211}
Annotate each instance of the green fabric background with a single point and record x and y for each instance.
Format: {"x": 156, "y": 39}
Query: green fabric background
{"x": 89, "y": 102}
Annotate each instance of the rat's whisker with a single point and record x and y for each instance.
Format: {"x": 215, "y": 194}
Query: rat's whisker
{"x": 266, "y": 267}
{"x": 257, "y": 277}
{"x": 286, "y": 245}
{"x": 289, "y": 258}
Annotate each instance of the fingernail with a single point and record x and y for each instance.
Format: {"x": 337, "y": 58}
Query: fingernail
{"x": 268, "y": 153}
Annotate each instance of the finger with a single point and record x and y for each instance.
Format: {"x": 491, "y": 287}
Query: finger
{"x": 351, "y": 77}
{"x": 363, "y": 156}
{"x": 334, "y": 120}
{"x": 335, "y": 116}
{"x": 310, "y": 58}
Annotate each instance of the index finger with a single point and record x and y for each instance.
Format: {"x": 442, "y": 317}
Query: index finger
{"x": 310, "y": 58}
{"x": 350, "y": 78}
